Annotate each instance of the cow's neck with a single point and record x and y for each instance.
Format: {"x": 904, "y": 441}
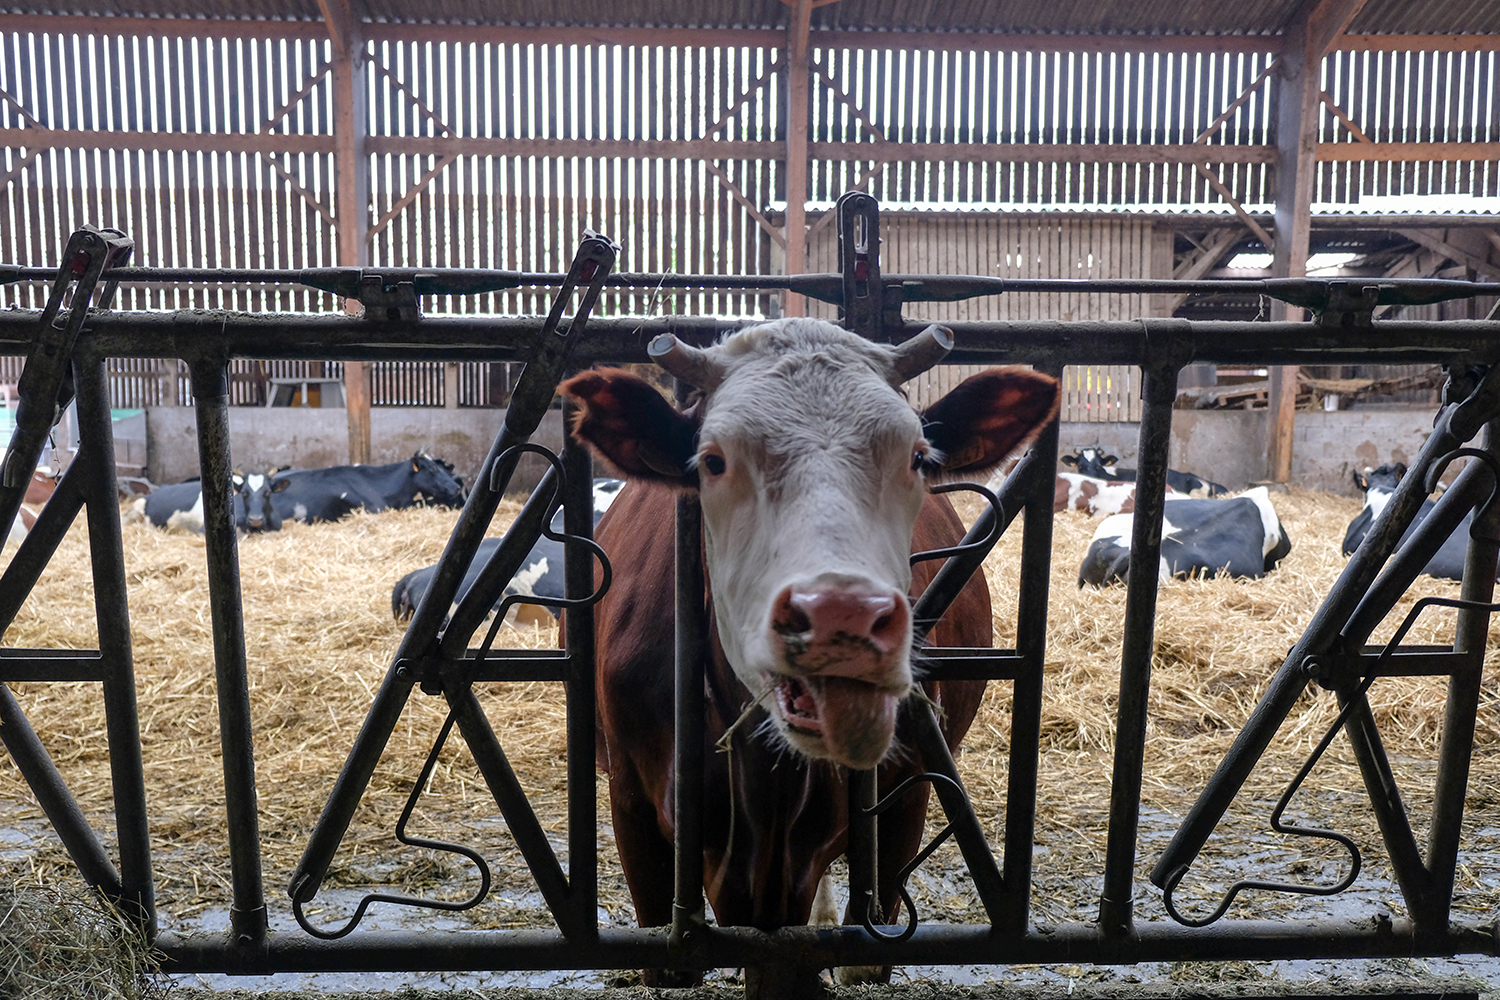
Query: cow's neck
{"x": 760, "y": 854}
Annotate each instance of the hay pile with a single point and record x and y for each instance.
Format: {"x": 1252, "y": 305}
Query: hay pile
{"x": 320, "y": 636}
{"x": 61, "y": 941}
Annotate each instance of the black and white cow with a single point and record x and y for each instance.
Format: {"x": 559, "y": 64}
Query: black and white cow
{"x": 1240, "y": 536}
{"x": 1447, "y": 563}
{"x": 313, "y": 495}
{"x": 540, "y": 575}
{"x": 179, "y": 506}
{"x": 1094, "y": 462}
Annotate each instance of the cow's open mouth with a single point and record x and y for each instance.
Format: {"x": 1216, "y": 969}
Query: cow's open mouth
{"x": 799, "y": 707}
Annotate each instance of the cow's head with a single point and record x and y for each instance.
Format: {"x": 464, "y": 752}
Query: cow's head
{"x": 811, "y": 468}
{"x": 433, "y": 480}
{"x": 1385, "y": 477}
{"x": 1092, "y": 462}
{"x": 253, "y": 510}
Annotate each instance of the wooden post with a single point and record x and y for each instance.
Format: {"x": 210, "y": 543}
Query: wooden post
{"x": 1308, "y": 35}
{"x": 352, "y": 195}
{"x": 450, "y": 385}
{"x": 797, "y": 93}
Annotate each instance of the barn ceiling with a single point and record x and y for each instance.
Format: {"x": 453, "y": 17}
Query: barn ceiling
{"x": 1153, "y": 17}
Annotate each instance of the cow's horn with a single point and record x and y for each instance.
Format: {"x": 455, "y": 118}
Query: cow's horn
{"x": 921, "y": 352}
{"x": 693, "y": 365}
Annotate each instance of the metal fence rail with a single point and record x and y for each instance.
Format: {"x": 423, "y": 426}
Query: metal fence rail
{"x": 1332, "y": 650}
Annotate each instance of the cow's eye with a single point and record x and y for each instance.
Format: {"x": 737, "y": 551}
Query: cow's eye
{"x": 922, "y": 461}
{"x": 714, "y": 464}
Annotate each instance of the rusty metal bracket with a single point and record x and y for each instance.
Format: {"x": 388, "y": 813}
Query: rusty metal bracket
{"x": 385, "y": 301}
{"x": 1349, "y": 306}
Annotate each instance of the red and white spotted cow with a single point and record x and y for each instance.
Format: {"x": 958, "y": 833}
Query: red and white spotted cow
{"x": 38, "y": 492}
{"x": 1097, "y": 497}
{"x": 812, "y": 472}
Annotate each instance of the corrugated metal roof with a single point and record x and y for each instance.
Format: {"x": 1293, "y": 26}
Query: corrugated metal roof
{"x": 1244, "y": 17}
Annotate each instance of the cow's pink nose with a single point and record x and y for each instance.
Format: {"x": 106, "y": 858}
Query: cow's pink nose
{"x": 819, "y": 615}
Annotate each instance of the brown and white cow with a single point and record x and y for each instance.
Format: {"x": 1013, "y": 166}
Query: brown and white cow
{"x": 38, "y": 491}
{"x": 812, "y": 472}
{"x": 1097, "y": 497}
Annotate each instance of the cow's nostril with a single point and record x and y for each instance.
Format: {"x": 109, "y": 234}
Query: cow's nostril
{"x": 789, "y": 618}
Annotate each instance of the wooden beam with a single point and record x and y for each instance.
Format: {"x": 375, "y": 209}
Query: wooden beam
{"x": 1338, "y": 112}
{"x": 297, "y": 187}
{"x": 352, "y": 197}
{"x": 1237, "y": 103}
{"x": 1453, "y": 253}
{"x": 1234, "y": 203}
{"x": 1213, "y": 250}
{"x": 739, "y": 196}
{"x": 798, "y": 92}
{"x": 712, "y": 149}
{"x": 336, "y": 18}
{"x": 945, "y": 41}
{"x": 421, "y": 105}
{"x": 1417, "y": 152}
{"x": 410, "y": 195}
{"x": 1306, "y": 37}
{"x": 171, "y": 142}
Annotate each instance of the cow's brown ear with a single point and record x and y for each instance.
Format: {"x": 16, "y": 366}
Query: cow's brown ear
{"x": 989, "y": 416}
{"x": 625, "y": 420}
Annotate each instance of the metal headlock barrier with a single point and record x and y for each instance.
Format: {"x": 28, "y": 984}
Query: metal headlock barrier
{"x": 66, "y": 343}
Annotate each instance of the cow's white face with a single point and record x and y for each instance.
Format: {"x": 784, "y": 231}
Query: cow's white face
{"x": 806, "y": 472}
{"x": 811, "y": 470}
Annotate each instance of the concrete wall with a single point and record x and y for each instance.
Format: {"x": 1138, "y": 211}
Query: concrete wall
{"x": 1228, "y": 446}
{"x": 270, "y": 437}
{"x": 1225, "y": 446}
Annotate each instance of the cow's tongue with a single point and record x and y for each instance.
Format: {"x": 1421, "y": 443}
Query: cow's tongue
{"x": 856, "y": 720}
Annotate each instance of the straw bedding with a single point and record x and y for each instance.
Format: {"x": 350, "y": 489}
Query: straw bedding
{"x": 319, "y": 637}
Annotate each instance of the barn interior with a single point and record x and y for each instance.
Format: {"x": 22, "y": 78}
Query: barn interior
{"x": 1269, "y": 139}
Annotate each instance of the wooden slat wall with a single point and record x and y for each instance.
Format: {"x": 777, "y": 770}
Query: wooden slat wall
{"x": 1411, "y": 97}
{"x": 527, "y": 213}
{"x": 1017, "y": 246}
{"x": 1038, "y": 97}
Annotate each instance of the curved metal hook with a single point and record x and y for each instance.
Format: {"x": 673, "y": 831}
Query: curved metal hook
{"x": 984, "y": 544}
{"x": 1351, "y": 701}
{"x": 1436, "y": 470}
{"x": 510, "y": 600}
{"x": 437, "y": 845}
{"x": 910, "y": 927}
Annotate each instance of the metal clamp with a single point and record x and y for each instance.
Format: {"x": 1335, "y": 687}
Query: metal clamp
{"x": 401, "y": 835}
{"x": 388, "y": 301}
{"x": 910, "y": 928}
{"x": 1349, "y": 306}
{"x": 1175, "y": 877}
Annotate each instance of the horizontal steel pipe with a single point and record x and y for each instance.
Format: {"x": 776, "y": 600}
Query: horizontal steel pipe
{"x": 329, "y": 336}
{"x": 935, "y": 944}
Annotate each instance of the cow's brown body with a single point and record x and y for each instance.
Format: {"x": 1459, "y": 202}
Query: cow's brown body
{"x": 773, "y": 820}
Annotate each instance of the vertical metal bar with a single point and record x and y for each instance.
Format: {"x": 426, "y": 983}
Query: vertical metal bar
{"x": 1026, "y": 696}
{"x": 1470, "y": 636}
{"x": 1159, "y": 391}
{"x": 107, "y": 556}
{"x": 863, "y": 850}
{"x": 578, "y": 631}
{"x": 211, "y": 398}
{"x": 689, "y": 671}
{"x": 42, "y": 777}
